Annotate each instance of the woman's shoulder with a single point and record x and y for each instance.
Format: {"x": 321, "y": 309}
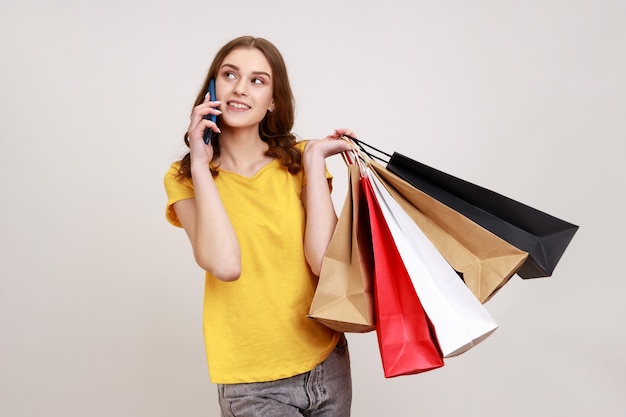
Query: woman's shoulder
{"x": 301, "y": 144}
{"x": 176, "y": 164}
{"x": 174, "y": 169}
{"x": 173, "y": 175}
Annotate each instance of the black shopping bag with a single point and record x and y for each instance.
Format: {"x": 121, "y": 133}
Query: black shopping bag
{"x": 543, "y": 236}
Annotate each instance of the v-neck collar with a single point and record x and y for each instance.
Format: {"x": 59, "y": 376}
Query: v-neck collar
{"x": 253, "y": 176}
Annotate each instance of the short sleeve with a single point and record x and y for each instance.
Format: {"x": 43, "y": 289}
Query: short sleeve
{"x": 176, "y": 189}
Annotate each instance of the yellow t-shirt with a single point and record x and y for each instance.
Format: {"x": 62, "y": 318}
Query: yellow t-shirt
{"x": 256, "y": 328}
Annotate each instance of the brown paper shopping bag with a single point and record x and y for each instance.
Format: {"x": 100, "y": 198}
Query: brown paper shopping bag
{"x": 486, "y": 261}
{"x": 344, "y": 299}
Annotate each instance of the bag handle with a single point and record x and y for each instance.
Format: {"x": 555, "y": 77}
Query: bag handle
{"x": 367, "y": 150}
{"x": 353, "y": 156}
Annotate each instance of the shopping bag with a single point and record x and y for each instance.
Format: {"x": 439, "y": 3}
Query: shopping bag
{"x": 543, "y": 236}
{"x": 344, "y": 298}
{"x": 406, "y": 337}
{"x": 485, "y": 261}
{"x": 459, "y": 319}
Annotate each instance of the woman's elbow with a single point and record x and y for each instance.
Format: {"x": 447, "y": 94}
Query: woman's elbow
{"x": 227, "y": 274}
{"x": 316, "y": 270}
{"x": 224, "y": 271}
{"x": 315, "y": 263}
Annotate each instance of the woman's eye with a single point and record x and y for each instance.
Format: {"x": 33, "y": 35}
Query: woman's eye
{"x": 257, "y": 81}
{"x": 229, "y": 75}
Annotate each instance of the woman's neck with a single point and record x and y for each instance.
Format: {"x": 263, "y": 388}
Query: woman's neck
{"x": 242, "y": 152}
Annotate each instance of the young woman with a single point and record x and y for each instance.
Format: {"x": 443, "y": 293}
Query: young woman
{"x": 256, "y": 207}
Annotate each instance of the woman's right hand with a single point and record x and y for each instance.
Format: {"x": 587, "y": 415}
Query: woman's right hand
{"x": 200, "y": 152}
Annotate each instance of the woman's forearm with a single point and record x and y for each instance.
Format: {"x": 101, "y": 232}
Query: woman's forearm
{"x": 320, "y": 212}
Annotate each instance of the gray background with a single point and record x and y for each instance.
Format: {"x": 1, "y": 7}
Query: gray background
{"x": 100, "y": 300}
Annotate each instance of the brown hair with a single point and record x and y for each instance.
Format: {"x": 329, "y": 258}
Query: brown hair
{"x": 275, "y": 128}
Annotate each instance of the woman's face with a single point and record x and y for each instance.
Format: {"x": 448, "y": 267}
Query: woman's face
{"x": 244, "y": 86}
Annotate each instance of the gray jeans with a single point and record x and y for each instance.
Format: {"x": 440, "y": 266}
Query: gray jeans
{"x": 324, "y": 391}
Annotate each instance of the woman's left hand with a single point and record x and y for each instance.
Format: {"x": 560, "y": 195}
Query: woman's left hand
{"x": 331, "y": 144}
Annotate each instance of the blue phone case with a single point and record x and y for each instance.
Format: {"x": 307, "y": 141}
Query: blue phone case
{"x": 211, "y": 117}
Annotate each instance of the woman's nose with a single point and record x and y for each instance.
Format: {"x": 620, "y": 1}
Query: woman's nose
{"x": 241, "y": 88}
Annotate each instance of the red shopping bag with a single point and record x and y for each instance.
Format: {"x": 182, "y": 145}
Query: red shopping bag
{"x": 406, "y": 337}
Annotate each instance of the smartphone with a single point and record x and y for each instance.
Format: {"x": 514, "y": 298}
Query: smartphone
{"x": 208, "y": 132}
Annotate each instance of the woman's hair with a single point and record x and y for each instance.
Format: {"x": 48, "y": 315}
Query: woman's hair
{"x": 275, "y": 128}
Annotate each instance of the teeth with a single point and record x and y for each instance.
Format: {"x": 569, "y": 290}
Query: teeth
{"x": 238, "y": 105}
